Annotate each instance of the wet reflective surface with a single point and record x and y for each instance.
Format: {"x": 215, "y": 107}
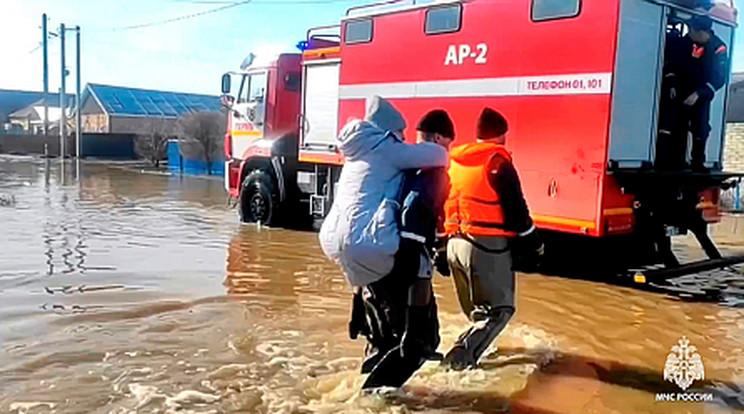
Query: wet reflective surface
{"x": 130, "y": 292}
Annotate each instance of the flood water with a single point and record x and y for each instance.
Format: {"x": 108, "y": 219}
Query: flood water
{"x": 135, "y": 292}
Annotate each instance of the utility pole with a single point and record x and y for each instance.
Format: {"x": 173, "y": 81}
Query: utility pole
{"x": 44, "y": 38}
{"x": 78, "y": 127}
{"x": 62, "y": 94}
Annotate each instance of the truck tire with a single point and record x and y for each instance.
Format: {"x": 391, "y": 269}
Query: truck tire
{"x": 258, "y": 200}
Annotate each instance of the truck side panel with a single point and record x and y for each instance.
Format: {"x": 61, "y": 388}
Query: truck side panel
{"x": 558, "y": 109}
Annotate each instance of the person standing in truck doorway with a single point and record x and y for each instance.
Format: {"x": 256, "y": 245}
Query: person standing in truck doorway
{"x": 486, "y": 216}
{"x": 699, "y": 69}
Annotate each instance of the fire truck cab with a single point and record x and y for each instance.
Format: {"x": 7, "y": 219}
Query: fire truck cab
{"x": 578, "y": 80}
{"x": 261, "y": 138}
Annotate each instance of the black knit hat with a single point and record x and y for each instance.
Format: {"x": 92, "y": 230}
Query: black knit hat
{"x": 437, "y": 121}
{"x": 491, "y": 124}
{"x": 701, "y": 23}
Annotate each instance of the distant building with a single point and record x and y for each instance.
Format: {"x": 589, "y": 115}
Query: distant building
{"x": 11, "y": 101}
{"x": 733, "y": 151}
{"x": 22, "y": 112}
{"x": 119, "y": 110}
{"x": 30, "y": 119}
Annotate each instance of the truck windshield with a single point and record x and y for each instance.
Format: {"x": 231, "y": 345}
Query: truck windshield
{"x": 255, "y": 90}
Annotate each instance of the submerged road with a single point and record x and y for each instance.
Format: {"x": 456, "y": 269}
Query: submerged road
{"x": 131, "y": 292}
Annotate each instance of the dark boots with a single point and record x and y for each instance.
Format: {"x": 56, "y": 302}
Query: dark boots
{"x": 698, "y": 154}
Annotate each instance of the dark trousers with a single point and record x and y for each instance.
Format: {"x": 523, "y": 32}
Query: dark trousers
{"x": 697, "y": 119}
{"x": 676, "y": 120}
{"x": 387, "y": 305}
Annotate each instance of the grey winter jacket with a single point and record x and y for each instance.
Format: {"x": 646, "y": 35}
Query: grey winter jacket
{"x": 361, "y": 231}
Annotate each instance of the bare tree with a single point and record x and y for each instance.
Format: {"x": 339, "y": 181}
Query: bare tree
{"x": 151, "y": 144}
{"x": 205, "y": 129}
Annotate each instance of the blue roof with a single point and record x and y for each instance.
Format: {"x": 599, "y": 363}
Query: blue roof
{"x": 117, "y": 100}
{"x": 11, "y": 101}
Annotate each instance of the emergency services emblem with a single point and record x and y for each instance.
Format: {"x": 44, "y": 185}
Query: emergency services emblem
{"x": 684, "y": 365}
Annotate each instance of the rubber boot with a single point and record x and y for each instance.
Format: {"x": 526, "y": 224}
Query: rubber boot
{"x": 418, "y": 343}
{"x": 470, "y": 346}
{"x": 372, "y": 356}
{"x": 401, "y": 362}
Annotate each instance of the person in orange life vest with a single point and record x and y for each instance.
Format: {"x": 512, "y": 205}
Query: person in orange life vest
{"x": 486, "y": 215}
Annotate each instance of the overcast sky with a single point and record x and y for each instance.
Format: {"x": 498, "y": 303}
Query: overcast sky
{"x": 188, "y": 55}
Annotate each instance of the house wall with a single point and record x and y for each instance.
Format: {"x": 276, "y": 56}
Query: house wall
{"x": 95, "y": 123}
{"x": 733, "y": 161}
{"x": 733, "y": 152}
{"x": 90, "y": 107}
{"x": 23, "y": 123}
{"x": 94, "y": 119}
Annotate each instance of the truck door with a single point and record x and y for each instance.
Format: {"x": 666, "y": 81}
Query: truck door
{"x": 249, "y": 113}
{"x": 714, "y": 153}
{"x": 320, "y": 105}
{"x": 636, "y": 83}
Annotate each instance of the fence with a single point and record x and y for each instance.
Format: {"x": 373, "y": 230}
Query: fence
{"x": 108, "y": 145}
{"x": 34, "y": 144}
{"x": 179, "y": 163}
{"x": 93, "y": 145}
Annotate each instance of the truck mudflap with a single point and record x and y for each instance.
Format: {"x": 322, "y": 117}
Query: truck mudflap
{"x": 675, "y": 200}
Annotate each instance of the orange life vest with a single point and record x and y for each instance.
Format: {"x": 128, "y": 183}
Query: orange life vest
{"x": 473, "y": 206}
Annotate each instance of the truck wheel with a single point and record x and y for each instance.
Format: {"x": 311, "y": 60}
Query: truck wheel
{"x": 257, "y": 201}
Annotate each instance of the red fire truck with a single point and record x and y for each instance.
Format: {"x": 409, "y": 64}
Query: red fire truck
{"x": 579, "y": 81}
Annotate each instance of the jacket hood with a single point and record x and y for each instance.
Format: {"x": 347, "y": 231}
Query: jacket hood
{"x": 384, "y": 115}
{"x": 477, "y": 153}
{"x": 359, "y": 138}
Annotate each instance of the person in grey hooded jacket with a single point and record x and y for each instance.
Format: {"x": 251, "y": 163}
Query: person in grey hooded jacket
{"x": 361, "y": 231}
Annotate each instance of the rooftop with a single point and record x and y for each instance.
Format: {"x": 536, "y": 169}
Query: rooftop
{"x": 123, "y": 101}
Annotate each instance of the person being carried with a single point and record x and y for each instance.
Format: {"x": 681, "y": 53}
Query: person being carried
{"x": 486, "y": 216}
{"x": 362, "y": 232}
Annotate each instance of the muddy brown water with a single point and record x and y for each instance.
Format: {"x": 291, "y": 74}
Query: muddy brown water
{"x": 129, "y": 292}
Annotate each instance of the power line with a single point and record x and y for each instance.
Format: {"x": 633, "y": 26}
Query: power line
{"x": 270, "y": 2}
{"x": 39, "y": 45}
{"x": 225, "y": 5}
{"x": 204, "y": 1}
{"x": 266, "y": 2}
{"x": 184, "y": 17}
